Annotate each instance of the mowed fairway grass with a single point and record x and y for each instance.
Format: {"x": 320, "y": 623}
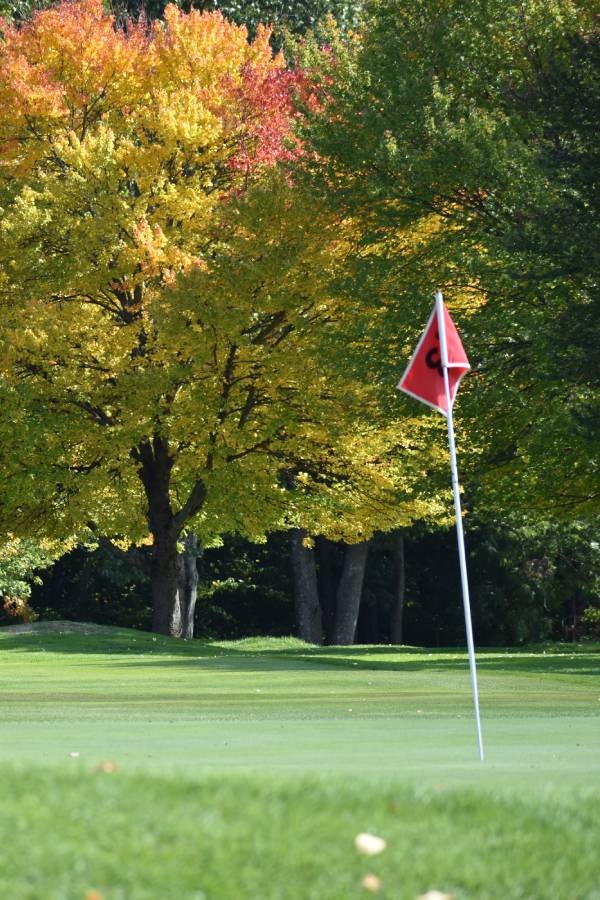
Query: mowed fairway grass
{"x": 245, "y": 770}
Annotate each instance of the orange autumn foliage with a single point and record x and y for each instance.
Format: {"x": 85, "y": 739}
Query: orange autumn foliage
{"x": 71, "y": 68}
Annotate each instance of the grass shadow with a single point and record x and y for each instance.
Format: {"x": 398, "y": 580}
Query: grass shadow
{"x": 274, "y": 654}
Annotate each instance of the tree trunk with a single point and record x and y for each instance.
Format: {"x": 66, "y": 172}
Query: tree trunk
{"x": 187, "y": 584}
{"x": 325, "y": 551}
{"x": 156, "y": 462}
{"x": 164, "y": 580}
{"x": 306, "y": 594}
{"x": 397, "y": 617}
{"x": 349, "y": 593}
{"x": 373, "y": 610}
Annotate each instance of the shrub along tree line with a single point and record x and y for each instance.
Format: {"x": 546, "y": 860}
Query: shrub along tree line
{"x": 213, "y": 263}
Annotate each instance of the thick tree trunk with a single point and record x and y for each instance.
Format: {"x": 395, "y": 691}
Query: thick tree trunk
{"x": 397, "y": 617}
{"x": 306, "y": 594}
{"x": 164, "y": 581}
{"x": 349, "y": 593}
{"x": 156, "y": 462}
{"x": 325, "y": 553}
{"x": 187, "y": 583}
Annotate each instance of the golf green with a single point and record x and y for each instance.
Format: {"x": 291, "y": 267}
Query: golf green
{"x": 138, "y": 767}
{"x": 280, "y": 707}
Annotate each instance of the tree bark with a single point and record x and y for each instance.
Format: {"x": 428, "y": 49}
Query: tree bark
{"x": 164, "y": 582}
{"x": 306, "y": 594}
{"x": 397, "y": 617}
{"x": 373, "y": 610}
{"x": 156, "y": 463}
{"x": 325, "y": 552}
{"x": 349, "y": 593}
{"x": 187, "y": 587}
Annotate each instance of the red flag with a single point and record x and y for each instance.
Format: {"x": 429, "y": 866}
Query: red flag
{"x": 424, "y": 376}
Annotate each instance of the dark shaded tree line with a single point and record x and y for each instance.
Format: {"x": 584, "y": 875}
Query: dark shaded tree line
{"x": 529, "y": 583}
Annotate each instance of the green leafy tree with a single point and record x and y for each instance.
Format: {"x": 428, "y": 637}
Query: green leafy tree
{"x": 477, "y": 119}
{"x": 20, "y": 562}
{"x": 21, "y": 9}
{"x": 297, "y": 16}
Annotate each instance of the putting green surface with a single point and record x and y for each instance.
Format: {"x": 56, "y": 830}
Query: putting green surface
{"x": 138, "y": 767}
{"x": 152, "y": 703}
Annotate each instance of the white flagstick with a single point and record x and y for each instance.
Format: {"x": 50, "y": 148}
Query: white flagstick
{"x": 457, "y": 509}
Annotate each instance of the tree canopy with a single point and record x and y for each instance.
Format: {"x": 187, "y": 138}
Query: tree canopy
{"x": 126, "y": 157}
{"x": 213, "y": 264}
{"x": 477, "y": 119}
{"x": 166, "y": 295}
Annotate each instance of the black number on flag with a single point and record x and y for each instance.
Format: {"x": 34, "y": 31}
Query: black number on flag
{"x": 433, "y": 359}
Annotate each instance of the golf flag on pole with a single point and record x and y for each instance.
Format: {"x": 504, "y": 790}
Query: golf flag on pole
{"x": 424, "y": 376}
{"x": 432, "y": 376}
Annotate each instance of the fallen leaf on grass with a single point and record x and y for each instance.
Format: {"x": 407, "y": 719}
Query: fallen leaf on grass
{"x": 107, "y": 766}
{"x": 369, "y": 844}
{"x": 93, "y": 895}
{"x": 371, "y": 883}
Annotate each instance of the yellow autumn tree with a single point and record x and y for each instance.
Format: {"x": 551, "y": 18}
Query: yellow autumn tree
{"x": 165, "y": 291}
{"x": 130, "y": 158}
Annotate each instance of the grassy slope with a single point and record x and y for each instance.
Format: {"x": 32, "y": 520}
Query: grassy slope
{"x": 285, "y": 724}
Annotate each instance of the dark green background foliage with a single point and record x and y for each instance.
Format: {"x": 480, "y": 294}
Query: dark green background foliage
{"x": 528, "y": 583}
{"x": 244, "y": 589}
{"x": 103, "y": 586}
{"x": 21, "y": 9}
{"x": 297, "y": 16}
